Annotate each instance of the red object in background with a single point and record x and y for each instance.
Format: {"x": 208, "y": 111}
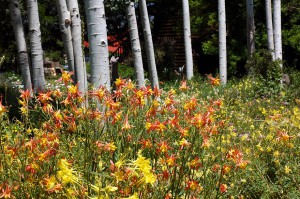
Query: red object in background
{"x": 86, "y": 44}
{"x": 113, "y": 44}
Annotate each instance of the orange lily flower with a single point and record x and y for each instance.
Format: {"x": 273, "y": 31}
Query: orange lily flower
{"x": 126, "y": 125}
{"x": 213, "y": 81}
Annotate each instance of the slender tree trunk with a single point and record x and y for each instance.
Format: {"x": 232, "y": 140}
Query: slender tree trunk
{"x": 277, "y": 30}
{"x": 135, "y": 44}
{"x": 21, "y": 42}
{"x": 222, "y": 41}
{"x": 187, "y": 39}
{"x": 269, "y": 24}
{"x": 77, "y": 45}
{"x": 250, "y": 28}
{"x": 36, "y": 46}
{"x": 149, "y": 44}
{"x": 96, "y": 25}
{"x": 65, "y": 28}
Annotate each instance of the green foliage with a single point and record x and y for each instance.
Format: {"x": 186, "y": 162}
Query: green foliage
{"x": 126, "y": 71}
{"x": 209, "y": 48}
{"x": 291, "y": 37}
{"x": 164, "y": 57}
{"x": 55, "y": 56}
{"x": 10, "y": 85}
{"x": 264, "y": 68}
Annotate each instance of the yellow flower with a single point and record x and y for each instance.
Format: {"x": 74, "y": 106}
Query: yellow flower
{"x": 110, "y": 188}
{"x": 23, "y": 110}
{"x": 142, "y": 163}
{"x": 70, "y": 193}
{"x": 66, "y": 77}
{"x": 111, "y": 146}
{"x": 50, "y": 182}
{"x": 66, "y": 174}
{"x": 144, "y": 166}
{"x": 119, "y": 163}
{"x": 119, "y": 175}
{"x": 73, "y": 89}
{"x": 287, "y": 169}
{"x": 149, "y": 178}
{"x": 276, "y": 154}
{"x": 134, "y": 196}
{"x": 21, "y": 102}
{"x": 263, "y": 111}
{"x": 99, "y": 190}
{"x": 259, "y": 147}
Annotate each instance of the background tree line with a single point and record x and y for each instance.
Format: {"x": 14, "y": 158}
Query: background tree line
{"x": 204, "y": 27}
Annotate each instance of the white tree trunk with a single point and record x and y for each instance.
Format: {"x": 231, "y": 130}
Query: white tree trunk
{"x": 65, "y": 28}
{"x": 148, "y": 44}
{"x": 21, "y": 42}
{"x": 277, "y": 30}
{"x": 250, "y": 28}
{"x": 222, "y": 42}
{"x": 36, "y": 46}
{"x": 135, "y": 44}
{"x": 96, "y": 25}
{"x": 269, "y": 24}
{"x": 80, "y": 71}
{"x": 187, "y": 39}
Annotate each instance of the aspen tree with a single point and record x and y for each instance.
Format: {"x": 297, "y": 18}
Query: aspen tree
{"x": 16, "y": 19}
{"x": 135, "y": 44}
{"x": 36, "y": 46}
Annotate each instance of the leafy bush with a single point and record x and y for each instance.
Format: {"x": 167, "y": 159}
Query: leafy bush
{"x": 269, "y": 72}
{"x": 10, "y": 84}
{"x": 126, "y": 71}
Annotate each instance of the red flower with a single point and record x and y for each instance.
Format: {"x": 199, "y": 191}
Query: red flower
{"x": 163, "y": 147}
{"x": 193, "y": 185}
{"x": 44, "y": 98}
{"x": 31, "y": 168}
{"x": 146, "y": 143}
{"x": 283, "y": 136}
{"x": 2, "y": 108}
{"x": 25, "y": 95}
{"x": 213, "y": 81}
{"x": 223, "y": 188}
{"x": 126, "y": 125}
{"x": 170, "y": 160}
{"x": 195, "y": 163}
{"x": 6, "y": 191}
{"x": 184, "y": 86}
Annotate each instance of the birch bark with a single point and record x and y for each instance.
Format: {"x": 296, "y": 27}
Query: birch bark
{"x": 65, "y": 28}
{"x": 21, "y": 42}
{"x": 135, "y": 44}
{"x": 222, "y": 42}
{"x": 148, "y": 44}
{"x": 96, "y": 25}
{"x": 277, "y": 30}
{"x": 250, "y": 28}
{"x": 80, "y": 70}
{"x": 269, "y": 24}
{"x": 36, "y": 46}
{"x": 187, "y": 39}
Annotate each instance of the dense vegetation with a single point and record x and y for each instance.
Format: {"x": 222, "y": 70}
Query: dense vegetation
{"x": 190, "y": 139}
{"x": 193, "y": 139}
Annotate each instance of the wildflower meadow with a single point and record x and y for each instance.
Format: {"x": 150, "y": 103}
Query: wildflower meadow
{"x": 192, "y": 140}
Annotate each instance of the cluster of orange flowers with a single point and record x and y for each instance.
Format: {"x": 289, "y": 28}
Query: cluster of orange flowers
{"x": 164, "y": 141}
